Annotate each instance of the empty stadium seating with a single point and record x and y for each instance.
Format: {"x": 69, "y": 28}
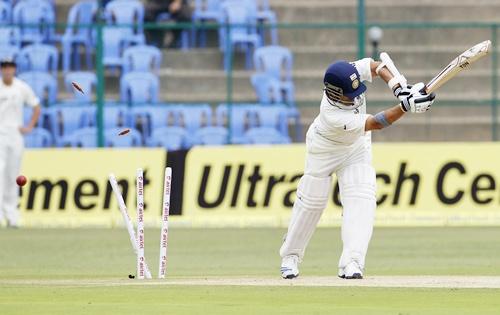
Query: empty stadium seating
{"x": 43, "y": 84}
{"x": 84, "y": 138}
{"x": 70, "y": 117}
{"x": 115, "y": 41}
{"x": 38, "y": 138}
{"x": 5, "y": 13}
{"x": 238, "y": 119}
{"x": 9, "y": 52}
{"x": 139, "y": 87}
{"x": 149, "y": 118}
{"x": 273, "y": 117}
{"x": 65, "y": 120}
{"x": 193, "y": 124}
{"x": 170, "y": 138}
{"x": 87, "y": 81}
{"x": 10, "y": 35}
{"x": 204, "y": 10}
{"x": 265, "y": 14}
{"x": 142, "y": 58}
{"x": 130, "y": 12}
{"x": 277, "y": 62}
{"x": 243, "y": 35}
{"x": 212, "y": 136}
{"x": 27, "y": 13}
{"x": 82, "y": 13}
{"x": 39, "y": 57}
{"x": 267, "y": 88}
{"x": 113, "y": 139}
{"x": 265, "y": 135}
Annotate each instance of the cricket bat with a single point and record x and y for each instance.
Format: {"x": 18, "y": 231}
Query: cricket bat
{"x": 463, "y": 61}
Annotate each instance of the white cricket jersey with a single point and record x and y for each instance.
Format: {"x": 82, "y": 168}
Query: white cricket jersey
{"x": 12, "y": 99}
{"x": 340, "y": 126}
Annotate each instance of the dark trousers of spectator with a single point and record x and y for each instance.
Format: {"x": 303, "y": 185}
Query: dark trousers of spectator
{"x": 156, "y": 36}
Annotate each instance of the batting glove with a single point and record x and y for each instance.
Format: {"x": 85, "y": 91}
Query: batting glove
{"x": 418, "y": 101}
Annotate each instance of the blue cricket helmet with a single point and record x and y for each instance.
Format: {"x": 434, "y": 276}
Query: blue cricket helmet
{"x": 342, "y": 79}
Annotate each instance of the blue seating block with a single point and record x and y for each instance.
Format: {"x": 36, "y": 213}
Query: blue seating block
{"x": 212, "y": 136}
{"x": 141, "y": 58}
{"x": 113, "y": 139}
{"x": 82, "y": 13}
{"x": 139, "y": 88}
{"x": 170, "y": 138}
{"x": 266, "y": 135}
{"x": 38, "y": 138}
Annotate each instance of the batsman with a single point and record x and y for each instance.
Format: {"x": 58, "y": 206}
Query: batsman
{"x": 339, "y": 141}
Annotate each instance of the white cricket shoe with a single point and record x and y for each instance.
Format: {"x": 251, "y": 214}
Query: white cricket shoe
{"x": 290, "y": 267}
{"x": 351, "y": 271}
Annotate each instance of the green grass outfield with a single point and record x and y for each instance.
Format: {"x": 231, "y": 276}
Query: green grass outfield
{"x": 84, "y": 271}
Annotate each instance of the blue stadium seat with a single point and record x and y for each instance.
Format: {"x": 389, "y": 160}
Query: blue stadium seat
{"x": 64, "y": 120}
{"x": 127, "y": 12}
{"x": 86, "y": 80}
{"x": 170, "y": 138}
{"x": 141, "y": 58}
{"x": 38, "y": 138}
{"x": 84, "y": 138}
{"x": 277, "y": 62}
{"x": 241, "y": 117}
{"x": 140, "y": 120}
{"x": 43, "y": 84}
{"x": 28, "y": 13}
{"x": 5, "y": 13}
{"x": 10, "y": 36}
{"x": 139, "y": 88}
{"x": 52, "y": 3}
{"x": 39, "y": 57}
{"x": 82, "y": 13}
{"x": 148, "y": 118}
{"x": 211, "y": 136}
{"x": 112, "y": 139}
{"x": 273, "y": 117}
{"x": 205, "y": 10}
{"x": 116, "y": 116}
{"x": 195, "y": 116}
{"x": 240, "y": 36}
{"x": 115, "y": 41}
{"x": 163, "y": 116}
{"x": 266, "y": 15}
{"x": 9, "y": 52}
{"x": 267, "y": 88}
{"x": 265, "y": 135}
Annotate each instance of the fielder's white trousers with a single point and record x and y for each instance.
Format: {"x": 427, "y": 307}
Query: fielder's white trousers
{"x": 11, "y": 152}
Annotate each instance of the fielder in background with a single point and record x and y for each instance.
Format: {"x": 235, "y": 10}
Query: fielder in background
{"x": 339, "y": 141}
{"x": 14, "y": 94}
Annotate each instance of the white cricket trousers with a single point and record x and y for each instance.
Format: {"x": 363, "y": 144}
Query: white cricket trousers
{"x": 11, "y": 153}
{"x": 352, "y": 164}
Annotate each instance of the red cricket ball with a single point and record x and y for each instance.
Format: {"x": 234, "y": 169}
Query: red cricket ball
{"x": 21, "y": 180}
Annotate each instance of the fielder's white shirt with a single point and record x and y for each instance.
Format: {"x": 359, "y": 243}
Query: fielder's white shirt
{"x": 340, "y": 126}
{"x": 12, "y": 99}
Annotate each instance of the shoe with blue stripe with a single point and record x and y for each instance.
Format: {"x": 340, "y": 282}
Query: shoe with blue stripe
{"x": 351, "y": 271}
{"x": 290, "y": 267}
